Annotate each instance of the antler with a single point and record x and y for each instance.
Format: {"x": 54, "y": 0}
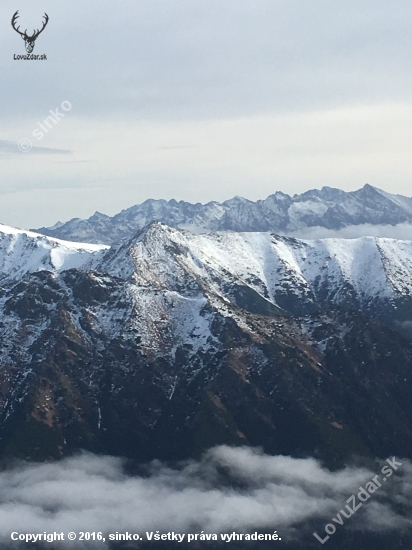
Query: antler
{"x": 13, "y": 23}
{"x": 46, "y": 20}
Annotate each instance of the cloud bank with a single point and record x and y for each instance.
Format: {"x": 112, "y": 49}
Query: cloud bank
{"x": 228, "y": 489}
{"x": 401, "y": 231}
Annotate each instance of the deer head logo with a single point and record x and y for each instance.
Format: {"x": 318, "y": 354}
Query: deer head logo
{"x": 29, "y": 40}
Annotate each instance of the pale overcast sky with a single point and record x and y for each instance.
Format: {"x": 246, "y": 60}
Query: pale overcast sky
{"x": 202, "y": 100}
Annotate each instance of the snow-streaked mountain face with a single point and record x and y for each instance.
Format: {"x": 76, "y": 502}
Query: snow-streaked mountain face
{"x": 283, "y": 274}
{"x": 24, "y": 252}
{"x": 330, "y": 209}
{"x": 172, "y": 342}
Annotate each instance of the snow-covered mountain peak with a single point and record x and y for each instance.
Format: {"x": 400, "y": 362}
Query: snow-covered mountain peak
{"x": 326, "y": 210}
{"x": 279, "y": 269}
{"x": 171, "y": 337}
{"x": 24, "y": 252}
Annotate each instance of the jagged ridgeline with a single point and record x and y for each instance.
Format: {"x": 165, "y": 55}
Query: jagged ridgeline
{"x": 171, "y": 342}
{"x": 330, "y": 209}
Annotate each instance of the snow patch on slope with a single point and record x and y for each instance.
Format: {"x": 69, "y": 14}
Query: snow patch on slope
{"x": 24, "y": 252}
{"x": 172, "y": 259}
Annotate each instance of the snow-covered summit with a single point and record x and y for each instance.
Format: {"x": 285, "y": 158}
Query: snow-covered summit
{"x": 282, "y": 270}
{"x": 327, "y": 210}
{"x": 24, "y": 252}
{"x": 282, "y": 274}
{"x": 173, "y": 337}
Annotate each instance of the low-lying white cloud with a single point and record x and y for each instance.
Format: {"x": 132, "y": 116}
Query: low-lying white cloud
{"x": 402, "y": 231}
{"x": 228, "y": 489}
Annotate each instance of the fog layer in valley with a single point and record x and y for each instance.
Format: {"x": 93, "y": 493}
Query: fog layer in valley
{"x": 228, "y": 489}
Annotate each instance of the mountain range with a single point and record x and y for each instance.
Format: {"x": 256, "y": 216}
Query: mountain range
{"x": 330, "y": 209}
{"x": 171, "y": 342}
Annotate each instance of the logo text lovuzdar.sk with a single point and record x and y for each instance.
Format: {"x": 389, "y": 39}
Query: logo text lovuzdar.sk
{"x": 29, "y": 40}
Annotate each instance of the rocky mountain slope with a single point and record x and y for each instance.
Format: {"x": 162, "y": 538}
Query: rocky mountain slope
{"x": 172, "y": 342}
{"x": 328, "y": 208}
